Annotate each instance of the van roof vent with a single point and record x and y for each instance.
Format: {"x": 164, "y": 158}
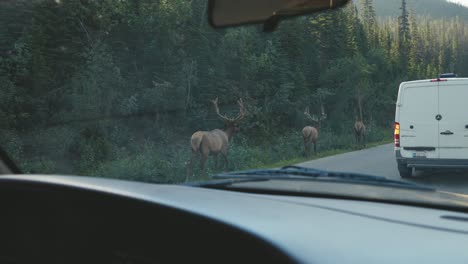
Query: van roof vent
{"x": 448, "y": 75}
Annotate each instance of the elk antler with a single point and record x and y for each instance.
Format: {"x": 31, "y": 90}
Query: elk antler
{"x": 242, "y": 111}
{"x": 215, "y": 103}
{"x": 307, "y": 114}
{"x": 241, "y": 115}
{"x": 324, "y": 115}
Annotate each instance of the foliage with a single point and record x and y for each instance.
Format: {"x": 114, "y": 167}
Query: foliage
{"x": 116, "y": 88}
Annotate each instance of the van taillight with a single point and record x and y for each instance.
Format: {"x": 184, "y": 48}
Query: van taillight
{"x": 396, "y": 135}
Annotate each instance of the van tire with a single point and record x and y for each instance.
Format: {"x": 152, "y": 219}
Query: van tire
{"x": 405, "y": 172}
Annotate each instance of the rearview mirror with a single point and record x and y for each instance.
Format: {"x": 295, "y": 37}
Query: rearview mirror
{"x": 226, "y": 13}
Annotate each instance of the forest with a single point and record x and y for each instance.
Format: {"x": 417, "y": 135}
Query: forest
{"x": 116, "y": 88}
{"x": 433, "y": 8}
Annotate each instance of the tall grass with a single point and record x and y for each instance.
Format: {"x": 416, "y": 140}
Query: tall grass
{"x": 167, "y": 165}
{"x": 165, "y": 162}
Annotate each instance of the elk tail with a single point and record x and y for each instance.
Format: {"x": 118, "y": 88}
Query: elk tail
{"x": 196, "y": 141}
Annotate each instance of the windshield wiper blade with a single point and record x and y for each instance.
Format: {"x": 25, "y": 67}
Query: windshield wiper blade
{"x": 222, "y": 182}
{"x": 302, "y": 173}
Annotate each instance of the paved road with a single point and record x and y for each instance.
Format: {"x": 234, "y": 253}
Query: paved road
{"x": 381, "y": 161}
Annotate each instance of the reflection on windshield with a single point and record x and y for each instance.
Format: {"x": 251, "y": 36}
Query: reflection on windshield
{"x": 120, "y": 88}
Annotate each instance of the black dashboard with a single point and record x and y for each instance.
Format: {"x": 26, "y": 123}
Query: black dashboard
{"x": 49, "y": 223}
{"x": 58, "y": 219}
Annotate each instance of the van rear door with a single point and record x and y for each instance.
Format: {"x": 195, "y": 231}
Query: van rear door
{"x": 453, "y": 127}
{"x": 419, "y": 131}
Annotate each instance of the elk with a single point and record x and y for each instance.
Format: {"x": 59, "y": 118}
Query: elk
{"x": 359, "y": 127}
{"x": 309, "y": 133}
{"x": 215, "y": 142}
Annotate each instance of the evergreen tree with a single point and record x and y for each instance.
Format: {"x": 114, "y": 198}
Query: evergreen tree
{"x": 124, "y": 77}
{"x": 369, "y": 20}
{"x": 403, "y": 24}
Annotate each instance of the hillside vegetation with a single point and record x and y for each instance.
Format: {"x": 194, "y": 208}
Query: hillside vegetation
{"x": 432, "y": 8}
{"x": 116, "y": 88}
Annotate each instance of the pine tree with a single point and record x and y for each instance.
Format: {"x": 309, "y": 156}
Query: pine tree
{"x": 416, "y": 48}
{"x": 369, "y": 20}
{"x": 403, "y": 19}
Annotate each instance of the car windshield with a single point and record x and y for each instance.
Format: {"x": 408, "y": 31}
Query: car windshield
{"x": 147, "y": 90}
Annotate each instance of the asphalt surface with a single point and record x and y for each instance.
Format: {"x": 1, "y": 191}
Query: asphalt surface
{"x": 381, "y": 161}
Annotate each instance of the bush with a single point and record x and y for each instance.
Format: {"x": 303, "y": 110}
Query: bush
{"x": 164, "y": 161}
{"x": 12, "y": 144}
{"x": 149, "y": 166}
{"x": 43, "y": 165}
{"x": 55, "y": 141}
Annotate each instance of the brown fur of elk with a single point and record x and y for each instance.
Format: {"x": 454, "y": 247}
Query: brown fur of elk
{"x": 310, "y": 134}
{"x": 359, "y": 127}
{"x": 214, "y": 142}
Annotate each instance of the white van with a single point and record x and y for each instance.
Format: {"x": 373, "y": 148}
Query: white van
{"x": 431, "y": 124}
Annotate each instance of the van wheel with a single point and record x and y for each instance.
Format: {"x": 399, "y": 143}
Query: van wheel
{"x": 405, "y": 172}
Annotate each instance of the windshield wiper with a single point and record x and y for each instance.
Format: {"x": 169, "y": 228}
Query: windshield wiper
{"x": 307, "y": 174}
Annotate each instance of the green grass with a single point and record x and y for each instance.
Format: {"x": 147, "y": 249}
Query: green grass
{"x": 164, "y": 161}
{"x": 284, "y": 150}
{"x": 327, "y": 153}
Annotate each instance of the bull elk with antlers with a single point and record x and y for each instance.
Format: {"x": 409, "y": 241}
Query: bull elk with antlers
{"x": 310, "y": 133}
{"x": 215, "y": 142}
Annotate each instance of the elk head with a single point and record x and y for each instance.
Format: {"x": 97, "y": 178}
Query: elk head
{"x": 315, "y": 118}
{"x": 232, "y": 124}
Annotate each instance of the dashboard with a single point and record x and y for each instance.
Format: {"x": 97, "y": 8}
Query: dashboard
{"x": 66, "y": 219}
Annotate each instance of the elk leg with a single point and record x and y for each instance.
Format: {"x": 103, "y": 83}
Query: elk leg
{"x": 225, "y": 161}
{"x": 315, "y": 148}
{"x": 215, "y": 157}
{"x": 190, "y": 165}
{"x": 307, "y": 148}
{"x": 202, "y": 163}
